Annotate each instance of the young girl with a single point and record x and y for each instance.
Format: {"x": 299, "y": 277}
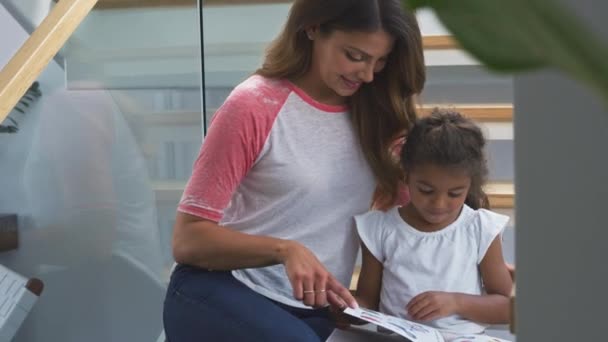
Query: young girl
{"x": 438, "y": 259}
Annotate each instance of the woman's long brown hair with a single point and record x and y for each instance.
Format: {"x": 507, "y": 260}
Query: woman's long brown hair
{"x": 382, "y": 111}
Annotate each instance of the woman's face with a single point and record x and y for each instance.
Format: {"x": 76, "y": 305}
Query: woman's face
{"x": 342, "y": 61}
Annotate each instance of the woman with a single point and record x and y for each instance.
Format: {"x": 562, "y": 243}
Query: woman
{"x": 264, "y": 236}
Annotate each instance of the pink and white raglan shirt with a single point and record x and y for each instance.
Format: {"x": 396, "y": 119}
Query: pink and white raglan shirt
{"x": 277, "y": 163}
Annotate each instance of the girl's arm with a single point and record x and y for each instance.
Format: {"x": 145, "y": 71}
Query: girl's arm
{"x": 493, "y": 307}
{"x": 489, "y": 308}
{"x": 370, "y": 280}
{"x": 204, "y": 243}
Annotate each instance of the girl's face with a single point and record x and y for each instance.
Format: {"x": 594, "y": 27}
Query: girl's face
{"x": 342, "y": 61}
{"x": 437, "y": 195}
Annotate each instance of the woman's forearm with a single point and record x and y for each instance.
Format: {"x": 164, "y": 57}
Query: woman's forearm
{"x": 489, "y": 309}
{"x": 208, "y": 245}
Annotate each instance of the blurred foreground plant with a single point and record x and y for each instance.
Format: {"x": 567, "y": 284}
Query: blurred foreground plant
{"x": 522, "y": 35}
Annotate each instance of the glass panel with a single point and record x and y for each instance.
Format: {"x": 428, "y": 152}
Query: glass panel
{"x": 135, "y": 48}
{"x": 96, "y": 169}
{"x": 235, "y": 39}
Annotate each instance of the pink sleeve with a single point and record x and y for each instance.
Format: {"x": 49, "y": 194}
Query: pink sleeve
{"x": 235, "y": 138}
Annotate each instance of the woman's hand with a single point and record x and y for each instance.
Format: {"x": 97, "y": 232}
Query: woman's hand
{"x": 341, "y": 320}
{"x": 310, "y": 281}
{"x": 432, "y": 305}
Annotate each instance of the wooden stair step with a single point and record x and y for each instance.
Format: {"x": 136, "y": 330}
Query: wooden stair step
{"x": 480, "y": 113}
{"x": 477, "y": 112}
{"x": 502, "y": 195}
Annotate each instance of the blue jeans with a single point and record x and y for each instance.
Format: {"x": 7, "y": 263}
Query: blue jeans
{"x": 213, "y": 306}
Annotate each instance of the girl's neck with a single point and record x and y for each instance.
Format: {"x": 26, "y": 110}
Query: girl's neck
{"x": 412, "y": 217}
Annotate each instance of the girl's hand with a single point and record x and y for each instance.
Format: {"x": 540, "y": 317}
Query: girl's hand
{"x": 311, "y": 282}
{"x": 511, "y": 269}
{"x": 432, "y": 305}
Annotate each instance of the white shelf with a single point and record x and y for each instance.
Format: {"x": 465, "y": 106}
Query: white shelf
{"x": 168, "y": 191}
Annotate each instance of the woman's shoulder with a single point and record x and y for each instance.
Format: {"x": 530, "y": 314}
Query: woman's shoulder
{"x": 257, "y": 99}
{"x": 260, "y": 89}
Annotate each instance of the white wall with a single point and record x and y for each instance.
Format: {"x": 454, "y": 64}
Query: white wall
{"x": 13, "y": 36}
{"x": 561, "y": 135}
{"x": 32, "y": 10}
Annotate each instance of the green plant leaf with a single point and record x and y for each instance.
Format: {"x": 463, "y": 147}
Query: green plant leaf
{"x": 521, "y": 35}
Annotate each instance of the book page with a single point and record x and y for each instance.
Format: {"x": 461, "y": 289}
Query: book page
{"x": 412, "y": 331}
{"x": 479, "y": 338}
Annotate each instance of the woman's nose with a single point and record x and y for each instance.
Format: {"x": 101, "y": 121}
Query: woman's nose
{"x": 367, "y": 74}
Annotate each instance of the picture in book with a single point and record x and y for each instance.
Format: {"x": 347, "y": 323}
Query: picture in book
{"x": 411, "y": 331}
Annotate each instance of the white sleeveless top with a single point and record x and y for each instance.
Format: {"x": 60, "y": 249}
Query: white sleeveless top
{"x": 415, "y": 262}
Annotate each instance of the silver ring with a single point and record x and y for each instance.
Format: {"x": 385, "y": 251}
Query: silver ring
{"x": 312, "y": 291}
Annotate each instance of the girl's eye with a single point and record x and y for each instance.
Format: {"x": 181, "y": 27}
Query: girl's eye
{"x": 425, "y": 191}
{"x": 355, "y": 57}
{"x": 454, "y": 194}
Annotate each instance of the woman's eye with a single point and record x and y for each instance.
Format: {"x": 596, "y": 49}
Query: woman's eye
{"x": 354, "y": 56}
{"x": 380, "y": 65}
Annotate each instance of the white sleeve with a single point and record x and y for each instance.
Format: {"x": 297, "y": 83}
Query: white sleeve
{"x": 371, "y": 232}
{"x": 488, "y": 226}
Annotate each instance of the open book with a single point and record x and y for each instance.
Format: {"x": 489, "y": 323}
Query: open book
{"x": 412, "y": 331}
